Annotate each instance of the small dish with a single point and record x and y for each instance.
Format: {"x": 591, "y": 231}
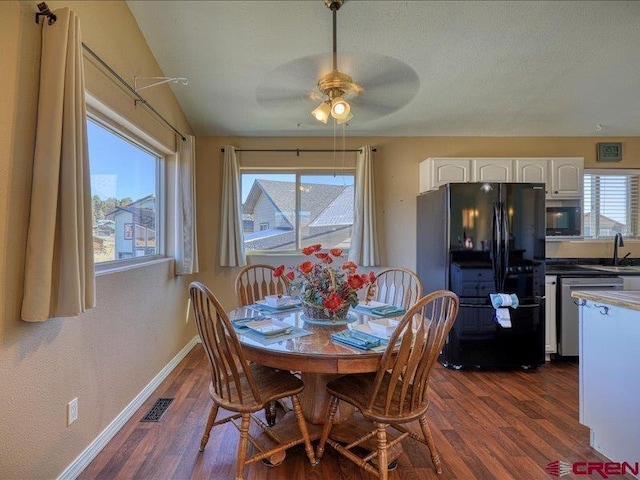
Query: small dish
{"x": 283, "y": 305}
{"x": 383, "y": 326}
{"x": 277, "y": 300}
{"x": 269, "y": 327}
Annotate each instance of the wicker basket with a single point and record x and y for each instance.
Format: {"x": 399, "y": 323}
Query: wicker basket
{"x": 314, "y": 312}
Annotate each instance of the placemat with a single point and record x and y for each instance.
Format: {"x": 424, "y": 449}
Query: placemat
{"x": 268, "y": 340}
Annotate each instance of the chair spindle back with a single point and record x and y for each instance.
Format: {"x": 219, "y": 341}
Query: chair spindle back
{"x": 400, "y": 387}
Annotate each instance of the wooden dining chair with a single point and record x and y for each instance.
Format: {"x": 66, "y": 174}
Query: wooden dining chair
{"x": 242, "y": 387}
{"x": 254, "y": 282}
{"x": 397, "y": 286}
{"x": 397, "y": 393}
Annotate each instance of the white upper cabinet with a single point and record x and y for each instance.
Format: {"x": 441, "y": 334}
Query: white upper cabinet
{"x": 492, "y": 170}
{"x": 562, "y": 176}
{"x": 566, "y": 177}
{"x": 438, "y": 171}
{"x": 530, "y": 170}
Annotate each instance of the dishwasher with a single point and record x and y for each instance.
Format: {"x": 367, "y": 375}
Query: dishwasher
{"x": 569, "y": 310}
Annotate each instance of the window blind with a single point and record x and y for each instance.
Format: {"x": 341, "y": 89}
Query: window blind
{"x": 611, "y": 204}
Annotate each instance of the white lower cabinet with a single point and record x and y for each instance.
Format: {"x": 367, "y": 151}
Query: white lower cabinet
{"x": 550, "y": 291}
{"x": 610, "y": 379}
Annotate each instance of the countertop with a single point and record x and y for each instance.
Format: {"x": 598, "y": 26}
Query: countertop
{"x": 620, "y": 298}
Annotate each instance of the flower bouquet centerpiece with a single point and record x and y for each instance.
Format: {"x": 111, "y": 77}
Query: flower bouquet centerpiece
{"x": 326, "y": 293}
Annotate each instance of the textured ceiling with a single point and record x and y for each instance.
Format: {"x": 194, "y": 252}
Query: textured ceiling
{"x": 428, "y": 68}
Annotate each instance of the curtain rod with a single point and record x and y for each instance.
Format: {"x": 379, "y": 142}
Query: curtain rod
{"x": 299, "y": 150}
{"x": 44, "y": 11}
{"x": 139, "y": 98}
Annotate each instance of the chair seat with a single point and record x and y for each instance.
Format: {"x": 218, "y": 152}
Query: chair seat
{"x": 356, "y": 389}
{"x": 271, "y": 383}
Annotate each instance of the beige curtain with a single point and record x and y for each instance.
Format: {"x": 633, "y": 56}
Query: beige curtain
{"x": 59, "y": 276}
{"x": 231, "y": 239}
{"x": 186, "y": 242}
{"x": 364, "y": 239}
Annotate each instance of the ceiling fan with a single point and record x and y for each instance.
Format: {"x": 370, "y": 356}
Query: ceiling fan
{"x": 335, "y": 84}
{"x": 385, "y": 85}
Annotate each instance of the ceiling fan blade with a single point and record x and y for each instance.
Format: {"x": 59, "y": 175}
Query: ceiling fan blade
{"x": 382, "y": 85}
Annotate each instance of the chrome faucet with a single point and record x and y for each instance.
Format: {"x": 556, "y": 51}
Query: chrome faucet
{"x": 617, "y": 242}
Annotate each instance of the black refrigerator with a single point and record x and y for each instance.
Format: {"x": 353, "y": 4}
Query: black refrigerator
{"x": 476, "y": 239}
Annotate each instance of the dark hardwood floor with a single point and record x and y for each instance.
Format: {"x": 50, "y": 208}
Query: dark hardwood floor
{"x": 487, "y": 425}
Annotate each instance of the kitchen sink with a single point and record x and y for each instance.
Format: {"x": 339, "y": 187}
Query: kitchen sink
{"x": 614, "y": 269}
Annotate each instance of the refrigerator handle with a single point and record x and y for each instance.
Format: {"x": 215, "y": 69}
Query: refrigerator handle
{"x": 496, "y": 241}
{"x": 505, "y": 245}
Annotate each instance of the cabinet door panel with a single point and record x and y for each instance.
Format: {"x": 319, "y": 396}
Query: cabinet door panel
{"x": 566, "y": 177}
{"x": 492, "y": 170}
{"x": 531, "y": 171}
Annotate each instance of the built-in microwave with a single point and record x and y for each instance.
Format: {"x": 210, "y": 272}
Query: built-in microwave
{"x": 564, "y": 218}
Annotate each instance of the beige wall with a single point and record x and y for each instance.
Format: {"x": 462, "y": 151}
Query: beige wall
{"x": 107, "y": 356}
{"x": 397, "y": 183}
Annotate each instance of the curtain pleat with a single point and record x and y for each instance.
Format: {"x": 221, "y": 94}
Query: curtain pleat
{"x": 59, "y": 271}
{"x": 364, "y": 239}
{"x": 232, "y": 252}
{"x": 186, "y": 243}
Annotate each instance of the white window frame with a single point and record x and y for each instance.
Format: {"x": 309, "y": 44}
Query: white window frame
{"x": 297, "y": 172}
{"x": 118, "y": 125}
{"x": 634, "y": 204}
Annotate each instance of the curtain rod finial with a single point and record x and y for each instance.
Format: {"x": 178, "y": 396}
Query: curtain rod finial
{"x": 44, "y": 11}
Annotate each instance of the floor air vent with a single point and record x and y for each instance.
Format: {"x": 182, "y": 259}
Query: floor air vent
{"x": 157, "y": 410}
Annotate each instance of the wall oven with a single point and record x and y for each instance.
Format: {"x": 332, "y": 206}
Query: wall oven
{"x": 564, "y": 219}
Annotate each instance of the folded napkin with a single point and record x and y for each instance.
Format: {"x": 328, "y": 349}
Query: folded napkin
{"x": 356, "y": 339}
{"x": 388, "y": 310}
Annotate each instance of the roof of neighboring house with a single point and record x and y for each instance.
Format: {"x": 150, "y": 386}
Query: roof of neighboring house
{"x": 145, "y": 216}
{"x": 605, "y": 222}
{"x": 282, "y": 195}
{"x": 339, "y": 211}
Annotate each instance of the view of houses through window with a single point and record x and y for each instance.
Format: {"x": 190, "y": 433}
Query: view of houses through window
{"x": 124, "y": 189}
{"x": 611, "y": 205}
{"x": 289, "y": 211}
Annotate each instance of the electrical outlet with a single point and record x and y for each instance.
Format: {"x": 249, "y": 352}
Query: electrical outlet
{"x": 72, "y": 411}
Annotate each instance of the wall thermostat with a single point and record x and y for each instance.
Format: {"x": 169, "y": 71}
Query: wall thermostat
{"x": 609, "y": 152}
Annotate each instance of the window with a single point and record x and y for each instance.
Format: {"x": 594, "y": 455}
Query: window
{"x": 298, "y": 209}
{"x": 611, "y": 204}
{"x": 125, "y": 193}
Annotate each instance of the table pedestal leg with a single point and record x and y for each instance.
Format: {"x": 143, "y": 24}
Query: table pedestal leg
{"x": 315, "y": 399}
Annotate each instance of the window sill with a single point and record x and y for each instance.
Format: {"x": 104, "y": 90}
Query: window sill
{"x": 101, "y": 270}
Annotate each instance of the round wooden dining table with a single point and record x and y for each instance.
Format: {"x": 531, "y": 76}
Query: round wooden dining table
{"x": 317, "y": 357}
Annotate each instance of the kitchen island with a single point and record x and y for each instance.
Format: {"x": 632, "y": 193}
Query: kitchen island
{"x": 610, "y": 373}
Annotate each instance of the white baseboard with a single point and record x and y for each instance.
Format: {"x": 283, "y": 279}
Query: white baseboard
{"x": 80, "y": 463}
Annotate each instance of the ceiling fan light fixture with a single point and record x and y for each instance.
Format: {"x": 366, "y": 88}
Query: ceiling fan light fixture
{"x": 340, "y": 108}
{"x": 345, "y": 120}
{"x": 321, "y": 112}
